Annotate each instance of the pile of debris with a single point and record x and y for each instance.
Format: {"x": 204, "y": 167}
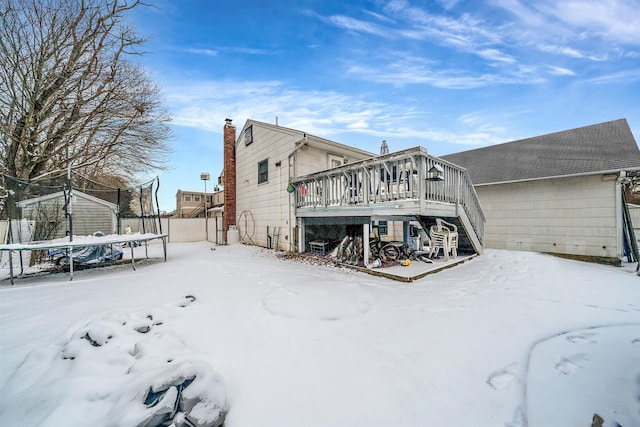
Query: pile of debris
{"x": 350, "y": 251}
{"x": 308, "y": 258}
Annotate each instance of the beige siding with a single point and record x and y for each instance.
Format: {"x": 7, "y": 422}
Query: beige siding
{"x": 568, "y": 216}
{"x": 311, "y": 159}
{"x": 266, "y": 204}
{"x": 89, "y": 216}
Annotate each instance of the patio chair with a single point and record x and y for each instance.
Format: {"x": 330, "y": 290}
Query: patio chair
{"x": 452, "y": 232}
{"x": 439, "y": 240}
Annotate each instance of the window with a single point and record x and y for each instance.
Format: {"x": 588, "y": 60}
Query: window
{"x": 196, "y": 198}
{"x": 383, "y": 228}
{"x": 248, "y": 135}
{"x": 187, "y": 197}
{"x": 263, "y": 171}
{"x": 335, "y": 161}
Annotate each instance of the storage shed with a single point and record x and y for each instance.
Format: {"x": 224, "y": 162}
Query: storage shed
{"x": 90, "y": 214}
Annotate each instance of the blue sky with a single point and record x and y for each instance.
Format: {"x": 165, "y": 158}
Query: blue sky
{"x": 447, "y": 75}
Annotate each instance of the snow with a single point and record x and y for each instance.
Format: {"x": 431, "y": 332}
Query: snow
{"x": 80, "y": 241}
{"x": 506, "y": 339}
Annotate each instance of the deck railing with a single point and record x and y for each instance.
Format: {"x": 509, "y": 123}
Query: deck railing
{"x": 411, "y": 174}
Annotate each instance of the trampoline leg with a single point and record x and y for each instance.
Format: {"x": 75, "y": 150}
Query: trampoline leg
{"x": 11, "y": 266}
{"x": 164, "y": 247}
{"x": 133, "y": 262}
{"x": 70, "y": 263}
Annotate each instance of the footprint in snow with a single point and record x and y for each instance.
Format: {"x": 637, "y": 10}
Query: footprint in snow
{"x": 188, "y": 299}
{"x": 501, "y": 379}
{"x": 582, "y": 338}
{"x": 570, "y": 364}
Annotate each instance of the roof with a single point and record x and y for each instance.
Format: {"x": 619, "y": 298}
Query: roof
{"x": 60, "y": 194}
{"x": 604, "y": 147}
{"x": 309, "y": 139}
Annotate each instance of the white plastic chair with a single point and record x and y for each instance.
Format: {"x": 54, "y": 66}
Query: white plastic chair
{"x": 451, "y": 230}
{"x": 439, "y": 240}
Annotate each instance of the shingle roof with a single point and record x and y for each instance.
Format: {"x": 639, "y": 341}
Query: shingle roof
{"x": 608, "y": 146}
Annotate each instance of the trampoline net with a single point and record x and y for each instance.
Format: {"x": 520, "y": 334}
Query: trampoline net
{"x": 54, "y": 208}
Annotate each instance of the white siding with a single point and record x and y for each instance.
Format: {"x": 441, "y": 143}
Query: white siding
{"x": 268, "y": 204}
{"x": 89, "y": 216}
{"x": 569, "y": 216}
{"x": 259, "y": 206}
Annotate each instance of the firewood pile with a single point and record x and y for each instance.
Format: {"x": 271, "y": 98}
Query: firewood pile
{"x": 349, "y": 251}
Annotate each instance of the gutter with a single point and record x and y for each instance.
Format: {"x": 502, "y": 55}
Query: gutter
{"x": 604, "y": 172}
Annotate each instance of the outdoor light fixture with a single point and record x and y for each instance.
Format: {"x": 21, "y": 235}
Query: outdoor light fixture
{"x": 436, "y": 173}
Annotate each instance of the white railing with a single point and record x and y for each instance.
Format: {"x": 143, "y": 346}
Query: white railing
{"x": 411, "y": 174}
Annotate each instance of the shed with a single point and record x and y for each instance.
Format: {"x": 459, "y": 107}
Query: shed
{"x": 90, "y": 214}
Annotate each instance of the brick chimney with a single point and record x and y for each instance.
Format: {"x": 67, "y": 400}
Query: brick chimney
{"x": 229, "y": 180}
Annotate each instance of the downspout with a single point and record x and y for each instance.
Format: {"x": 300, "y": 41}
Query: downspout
{"x": 292, "y": 172}
{"x": 619, "y": 220}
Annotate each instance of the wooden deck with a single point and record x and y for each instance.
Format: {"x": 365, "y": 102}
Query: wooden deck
{"x": 409, "y": 184}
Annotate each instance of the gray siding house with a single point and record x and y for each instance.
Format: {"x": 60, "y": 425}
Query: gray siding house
{"x": 558, "y": 193}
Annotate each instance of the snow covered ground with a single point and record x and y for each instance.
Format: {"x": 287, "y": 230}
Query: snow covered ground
{"x": 506, "y": 339}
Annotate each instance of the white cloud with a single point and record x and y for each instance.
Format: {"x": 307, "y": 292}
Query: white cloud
{"x": 496, "y": 55}
{"x": 252, "y": 51}
{"x": 616, "y": 20}
{"x": 560, "y": 71}
{"x": 622, "y": 77}
{"x": 206, "y": 52}
{"x": 205, "y": 105}
{"x": 561, "y": 50}
{"x": 244, "y": 50}
{"x": 584, "y": 29}
{"x": 352, "y": 24}
{"x": 404, "y": 70}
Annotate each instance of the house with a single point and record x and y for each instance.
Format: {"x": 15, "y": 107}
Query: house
{"x": 258, "y": 168}
{"x": 190, "y": 204}
{"x": 90, "y": 215}
{"x": 558, "y": 193}
{"x": 290, "y": 190}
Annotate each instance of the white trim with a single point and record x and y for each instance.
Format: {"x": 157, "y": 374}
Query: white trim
{"x": 605, "y": 172}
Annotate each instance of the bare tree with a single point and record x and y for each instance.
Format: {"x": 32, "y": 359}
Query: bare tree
{"x": 70, "y": 92}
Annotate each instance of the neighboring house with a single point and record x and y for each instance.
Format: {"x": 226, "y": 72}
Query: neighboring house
{"x": 190, "y": 204}
{"x": 285, "y": 188}
{"x": 558, "y": 193}
{"x": 90, "y": 215}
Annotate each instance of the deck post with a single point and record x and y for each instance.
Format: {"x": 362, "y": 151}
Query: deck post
{"x": 365, "y": 243}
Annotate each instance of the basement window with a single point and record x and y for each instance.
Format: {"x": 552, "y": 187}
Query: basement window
{"x": 263, "y": 171}
{"x": 383, "y": 228}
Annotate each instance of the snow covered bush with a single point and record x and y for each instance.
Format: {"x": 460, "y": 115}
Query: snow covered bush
{"x": 121, "y": 369}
